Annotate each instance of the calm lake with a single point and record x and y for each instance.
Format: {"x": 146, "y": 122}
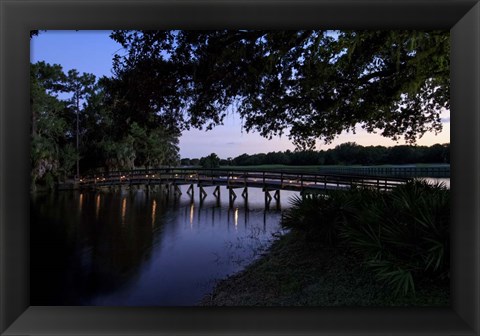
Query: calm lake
{"x": 143, "y": 248}
{"x": 138, "y": 248}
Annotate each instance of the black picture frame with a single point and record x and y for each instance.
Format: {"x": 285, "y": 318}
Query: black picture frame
{"x": 18, "y": 17}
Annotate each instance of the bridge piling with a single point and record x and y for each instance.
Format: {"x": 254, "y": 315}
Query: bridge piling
{"x": 203, "y": 194}
{"x": 268, "y": 198}
{"x": 216, "y": 192}
{"x": 276, "y": 196}
{"x": 232, "y": 197}
{"x": 245, "y": 193}
{"x": 191, "y": 192}
{"x": 177, "y": 190}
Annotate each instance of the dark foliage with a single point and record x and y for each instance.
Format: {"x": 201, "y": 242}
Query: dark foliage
{"x": 351, "y": 154}
{"x": 403, "y": 235}
{"x": 210, "y": 161}
{"x": 310, "y": 83}
{"x": 109, "y": 136}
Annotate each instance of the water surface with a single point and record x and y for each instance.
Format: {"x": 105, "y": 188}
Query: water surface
{"x": 138, "y": 248}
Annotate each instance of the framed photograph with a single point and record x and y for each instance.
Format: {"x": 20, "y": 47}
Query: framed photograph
{"x": 22, "y": 310}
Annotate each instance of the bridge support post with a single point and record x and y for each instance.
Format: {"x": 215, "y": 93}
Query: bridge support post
{"x": 232, "y": 197}
{"x": 245, "y": 193}
{"x": 245, "y": 197}
{"x": 177, "y": 190}
{"x": 276, "y": 196}
{"x": 191, "y": 191}
{"x": 216, "y": 192}
{"x": 268, "y": 198}
{"x": 203, "y": 194}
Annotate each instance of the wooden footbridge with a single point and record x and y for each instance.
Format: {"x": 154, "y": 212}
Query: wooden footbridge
{"x": 270, "y": 181}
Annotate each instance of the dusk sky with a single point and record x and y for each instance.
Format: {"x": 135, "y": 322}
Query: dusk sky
{"x": 92, "y": 52}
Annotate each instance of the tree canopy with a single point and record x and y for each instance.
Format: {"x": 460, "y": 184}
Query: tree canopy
{"x": 79, "y": 119}
{"x": 308, "y": 84}
{"x": 210, "y": 161}
{"x": 350, "y": 153}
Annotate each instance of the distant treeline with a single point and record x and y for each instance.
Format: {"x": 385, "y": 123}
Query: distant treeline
{"x": 345, "y": 154}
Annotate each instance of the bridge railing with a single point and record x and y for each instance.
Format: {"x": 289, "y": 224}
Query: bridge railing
{"x": 442, "y": 171}
{"x": 236, "y": 178}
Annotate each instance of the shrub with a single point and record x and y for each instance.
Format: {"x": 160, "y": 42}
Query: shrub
{"x": 402, "y": 235}
{"x": 319, "y": 216}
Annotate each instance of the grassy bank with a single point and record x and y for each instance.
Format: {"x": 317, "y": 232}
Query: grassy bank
{"x": 360, "y": 247}
{"x": 293, "y": 273}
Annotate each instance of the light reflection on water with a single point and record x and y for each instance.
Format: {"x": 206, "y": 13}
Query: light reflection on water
{"x": 97, "y": 205}
{"x": 124, "y": 209}
{"x": 80, "y": 205}
{"x": 142, "y": 248}
{"x": 154, "y": 210}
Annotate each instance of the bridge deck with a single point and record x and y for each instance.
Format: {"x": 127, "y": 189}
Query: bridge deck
{"x": 266, "y": 180}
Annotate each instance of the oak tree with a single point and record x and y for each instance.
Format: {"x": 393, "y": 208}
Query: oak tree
{"x": 308, "y": 84}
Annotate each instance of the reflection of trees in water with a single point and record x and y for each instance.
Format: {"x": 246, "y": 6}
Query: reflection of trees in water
{"x": 79, "y": 249}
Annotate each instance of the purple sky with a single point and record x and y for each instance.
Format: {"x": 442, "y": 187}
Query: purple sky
{"x": 92, "y": 52}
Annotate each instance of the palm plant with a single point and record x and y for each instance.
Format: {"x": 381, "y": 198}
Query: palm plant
{"x": 403, "y": 235}
{"x": 319, "y": 216}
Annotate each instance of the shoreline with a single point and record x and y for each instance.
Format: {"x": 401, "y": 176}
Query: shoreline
{"x": 295, "y": 273}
